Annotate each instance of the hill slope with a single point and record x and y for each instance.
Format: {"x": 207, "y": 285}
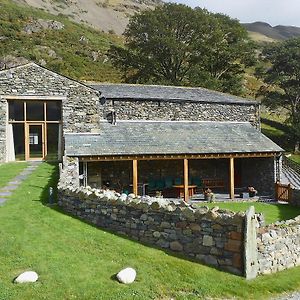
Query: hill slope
{"x": 106, "y": 15}
{"x": 279, "y": 32}
{"x": 55, "y": 42}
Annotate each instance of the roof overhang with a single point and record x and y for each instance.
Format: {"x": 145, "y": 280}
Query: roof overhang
{"x": 170, "y": 140}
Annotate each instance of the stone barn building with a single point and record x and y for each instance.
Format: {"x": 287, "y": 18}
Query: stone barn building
{"x": 162, "y": 140}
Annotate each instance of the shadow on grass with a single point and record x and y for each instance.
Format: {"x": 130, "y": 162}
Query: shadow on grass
{"x": 44, "y": 199}
{"x": 52, "y": 182}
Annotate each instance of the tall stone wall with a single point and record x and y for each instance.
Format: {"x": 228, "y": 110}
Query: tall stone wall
{"x": 254, "y": 172}
{"x": 278, "y": 246}
{"x": 80, "y": 109}
{"x": 183, "y": 110}
{"x": 295, "y": 199}
{"x": 3, "y": 121}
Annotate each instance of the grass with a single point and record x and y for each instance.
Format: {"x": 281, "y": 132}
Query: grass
{"x": 296, "y": 158}
{"x": 78, "y": 261}
{"x": 9, "y": 171}
{"x": 272, "y": 212}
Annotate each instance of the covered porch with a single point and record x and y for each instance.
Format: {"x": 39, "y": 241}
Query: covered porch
{"x": 175, "y": 159}
{"x": 179, "y": 176}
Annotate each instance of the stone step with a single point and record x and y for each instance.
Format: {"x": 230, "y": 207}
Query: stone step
{"x": 5, "y": 194}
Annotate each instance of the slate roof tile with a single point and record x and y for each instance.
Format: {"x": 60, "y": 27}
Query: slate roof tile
{"x": 169, "y": 137}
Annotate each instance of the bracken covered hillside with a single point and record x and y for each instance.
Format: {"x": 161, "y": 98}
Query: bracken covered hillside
{"x": 60, "y": 45}
{"x": 107, "y": 15}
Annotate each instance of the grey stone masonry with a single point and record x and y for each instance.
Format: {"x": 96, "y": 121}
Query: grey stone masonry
{"x": 295, "y": 199}
{"x": 80, "y": 105}
{"x": 212, "y": 236}
{"x": 278, "y": 246}
{"x": 182, "y": 110}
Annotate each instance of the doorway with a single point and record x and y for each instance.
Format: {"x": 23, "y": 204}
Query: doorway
{"x": 35, "y": 129}
{"x": 35, "y": 142}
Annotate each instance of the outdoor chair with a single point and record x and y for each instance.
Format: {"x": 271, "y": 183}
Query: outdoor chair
{"x": 178, "y": 181}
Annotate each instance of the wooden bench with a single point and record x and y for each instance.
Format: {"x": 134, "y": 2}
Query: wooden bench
{"x": 213, "y": 183}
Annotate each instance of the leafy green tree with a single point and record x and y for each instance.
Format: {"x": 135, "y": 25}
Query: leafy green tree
{"x": 177, "y": 45}
{"x": 282, "y": 81}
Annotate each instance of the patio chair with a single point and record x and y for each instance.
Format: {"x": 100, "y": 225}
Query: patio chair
{"x": 178, "y": 181}
{"x": 199, "y": 183}
{"x": 168, "y": 182}
{"x": 160, "y": 184}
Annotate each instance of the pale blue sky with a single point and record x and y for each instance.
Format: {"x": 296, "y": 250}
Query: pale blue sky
{"x": 274, "y": 12}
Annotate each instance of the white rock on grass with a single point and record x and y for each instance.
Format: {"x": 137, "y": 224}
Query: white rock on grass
{"x": 28, "y": 276}
{"x": 126, "y": 275}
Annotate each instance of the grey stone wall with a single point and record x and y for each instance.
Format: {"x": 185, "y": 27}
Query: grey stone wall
{"x": 295, "y": 201}
{"x": 185, "y": 110}
{"x": 3, "y": 118}
{"x": 69, "y": 172}
{"x": 254, "y": 171}
{"x": 278, "y": 246}
{"x": 80, "y": 109}
{"x": 214, "y": 237}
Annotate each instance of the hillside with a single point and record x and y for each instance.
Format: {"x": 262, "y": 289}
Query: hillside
{"x": 63, "y": 46}
{"x": 106, "y": 15}
{"x": 270, "y": 33}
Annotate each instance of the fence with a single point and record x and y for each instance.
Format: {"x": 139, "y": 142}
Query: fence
{"x": 283, "y": 192}
{"x": 291, "y": 164}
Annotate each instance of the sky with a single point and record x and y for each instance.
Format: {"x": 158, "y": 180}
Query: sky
{"x": 274, "y": 12}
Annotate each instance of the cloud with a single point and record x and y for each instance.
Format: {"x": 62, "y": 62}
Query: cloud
{"x": 275, "y": 12}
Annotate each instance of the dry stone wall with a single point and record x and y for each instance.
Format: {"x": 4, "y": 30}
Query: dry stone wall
{"x": 214, "y": 236}
{"x": 278, "y": 246}
{"x": 182, "y": 110}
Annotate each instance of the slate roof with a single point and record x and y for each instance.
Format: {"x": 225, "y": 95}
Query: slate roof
{"x": 166, "y": 93}
{"x": 169, "y": 137}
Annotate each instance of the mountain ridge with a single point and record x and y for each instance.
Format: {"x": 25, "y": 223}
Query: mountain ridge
{"x": 278, "y": 32}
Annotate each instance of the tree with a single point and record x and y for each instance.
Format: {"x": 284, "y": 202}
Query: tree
{"x": 282, "y": 81}
{"x": 177, "y": 45}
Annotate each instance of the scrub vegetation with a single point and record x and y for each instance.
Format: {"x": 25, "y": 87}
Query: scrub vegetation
{"x": 76, "y": 50}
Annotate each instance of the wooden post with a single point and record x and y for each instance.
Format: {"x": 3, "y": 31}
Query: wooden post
{"x": 135, "y": 177}
{"x": 231, "y": 178}
{"x": 186, "y": 179}
{"x": 276, "y": 190}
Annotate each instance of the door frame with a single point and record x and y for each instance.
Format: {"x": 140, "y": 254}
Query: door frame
{"x": 44, "y": 140}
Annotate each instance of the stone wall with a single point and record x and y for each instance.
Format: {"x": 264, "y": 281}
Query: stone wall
{"x": 278, "y": 246}
{"x": 80, "y": 109}
{"x": 295, "y": 200}
{"x": 3, "y": 121}
{"x": 183, "y": 110}
{"x": 214, "y": 237}
{"x": 254, "y": 172}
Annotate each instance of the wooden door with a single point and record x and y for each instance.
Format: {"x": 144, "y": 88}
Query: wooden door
{"x": 35, "y": 141}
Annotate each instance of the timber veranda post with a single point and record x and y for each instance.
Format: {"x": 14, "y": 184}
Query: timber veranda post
{"x": 186, "y": 179}
{"x": 231, "y": 178}
{"x": 135, "y": 176}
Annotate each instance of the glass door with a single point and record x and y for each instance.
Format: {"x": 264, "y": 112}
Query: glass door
{"x": 36, "y": 141}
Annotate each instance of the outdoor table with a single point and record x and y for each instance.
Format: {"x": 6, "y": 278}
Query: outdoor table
{"x": 180, "y": 190}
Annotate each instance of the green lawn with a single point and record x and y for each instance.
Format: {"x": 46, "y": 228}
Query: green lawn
{"x": 9, "y": 171}
{"x": 272, "y": 212}
{"x": 296, "y": 158}
{"x": 78, "y": 261}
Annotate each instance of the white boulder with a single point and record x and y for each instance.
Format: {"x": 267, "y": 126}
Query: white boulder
{"x": 28, "y": 276}
{"x": 126, "y": 275}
